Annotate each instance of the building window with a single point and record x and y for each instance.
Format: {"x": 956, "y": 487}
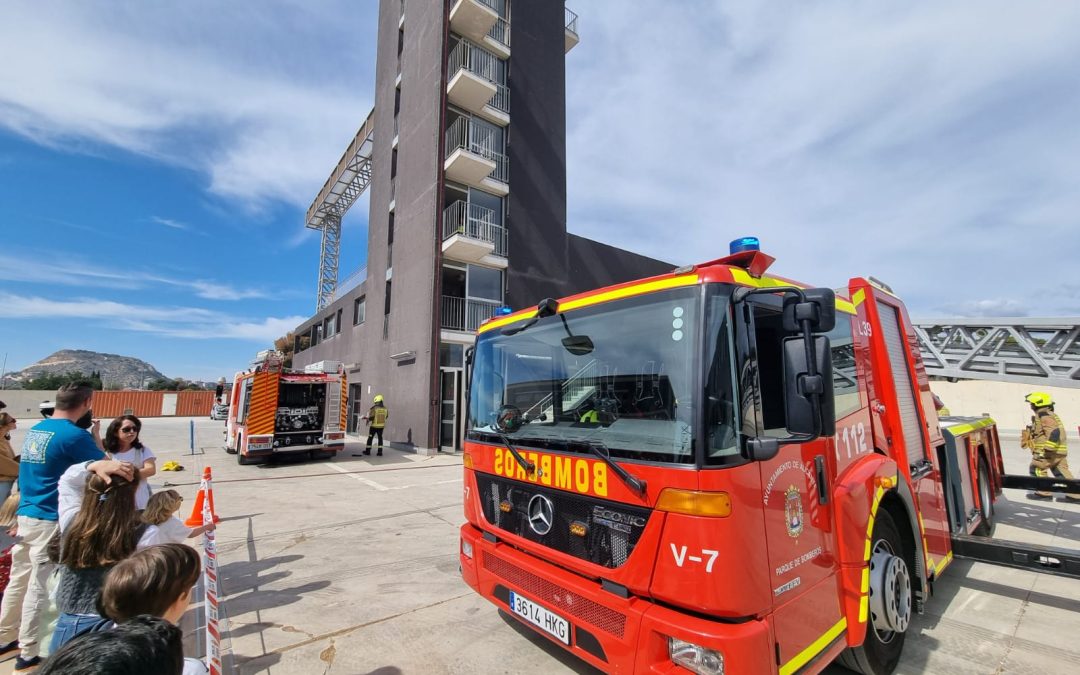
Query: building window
{"x": 484, "y": 283}
{"x": 390, "y": 240}
{"x": 451, "y": 355}
{"x": 330, "y": 328}
{"x": 359, "y": 307}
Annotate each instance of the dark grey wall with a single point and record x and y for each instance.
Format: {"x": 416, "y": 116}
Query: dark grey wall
{"x": 593, "y": 264}
{"x": 537, "y": 150}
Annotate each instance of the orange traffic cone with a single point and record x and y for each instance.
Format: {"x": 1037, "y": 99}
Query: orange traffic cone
{"x": 196, "y": 517}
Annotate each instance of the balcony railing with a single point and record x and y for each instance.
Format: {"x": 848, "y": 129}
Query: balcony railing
{"x": 476, "y": 60}
{"x": 476, "y": 222}
{"x": 349, "y": 283}
{"x": 481, "y": 140}
{"x": 466, "y": 315}
{"x": 500, "y": 32}
{"x": 501, "y": 100}
{"x": 571, "y": 20}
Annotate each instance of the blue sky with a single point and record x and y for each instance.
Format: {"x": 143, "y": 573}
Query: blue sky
{"x": 156, "y": 159}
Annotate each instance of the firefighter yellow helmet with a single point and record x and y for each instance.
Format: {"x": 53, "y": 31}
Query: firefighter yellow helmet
{"x": 1039, "y": 399}
{"x": 378, "y": 398}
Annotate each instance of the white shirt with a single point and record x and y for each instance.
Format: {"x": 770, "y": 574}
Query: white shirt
{"x": 137, "y": 457}
{"x": 194, "y": 666}
{"x": 172, "y": 531}
{"x": 71, "y": 488}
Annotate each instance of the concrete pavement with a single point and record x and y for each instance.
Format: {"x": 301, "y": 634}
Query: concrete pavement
{"x": 350, "y": 566}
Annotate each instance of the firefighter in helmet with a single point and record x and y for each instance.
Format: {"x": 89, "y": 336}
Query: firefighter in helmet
{"x": 1045, "y": 437}
{"x": 376, "y": 419}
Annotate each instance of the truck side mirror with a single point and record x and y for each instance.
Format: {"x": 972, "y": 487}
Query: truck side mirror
{"x": 817, "y": 304}
{"x": 808, "y": 399}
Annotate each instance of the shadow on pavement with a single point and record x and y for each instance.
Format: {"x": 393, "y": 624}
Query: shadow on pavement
{"x": 1042, "y": 517}
{"x": 558, "y": 653}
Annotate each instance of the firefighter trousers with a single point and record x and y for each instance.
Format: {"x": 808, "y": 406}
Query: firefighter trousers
{"x": 372, "y": 433}
{"x": 1042, "y": 465}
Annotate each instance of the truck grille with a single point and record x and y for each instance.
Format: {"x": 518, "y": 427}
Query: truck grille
{"x": 558, "y": 598}
{"x": 606, "y": 532}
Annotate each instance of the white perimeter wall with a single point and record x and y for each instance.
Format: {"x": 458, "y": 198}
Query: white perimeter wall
{"x": 23, "y": 403}
{"x": 1004, "y": 401}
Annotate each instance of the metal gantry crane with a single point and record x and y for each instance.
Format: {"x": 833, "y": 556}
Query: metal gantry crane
{"x": 1038, "y": 351}
{"x": 346, "y": 183}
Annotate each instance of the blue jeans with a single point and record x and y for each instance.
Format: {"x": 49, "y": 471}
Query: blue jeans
{"x": 70, "y": 626}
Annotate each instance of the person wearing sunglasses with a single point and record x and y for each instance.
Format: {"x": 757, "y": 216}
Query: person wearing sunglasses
{"x": 123, "y": 444}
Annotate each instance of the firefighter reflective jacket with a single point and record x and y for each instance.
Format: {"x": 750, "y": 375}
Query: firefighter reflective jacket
{"x": 1048, "y": 432}
{"x": 377, "y": 416}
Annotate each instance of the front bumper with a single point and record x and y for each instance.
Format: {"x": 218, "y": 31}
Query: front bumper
{"x": 615, "y": 634}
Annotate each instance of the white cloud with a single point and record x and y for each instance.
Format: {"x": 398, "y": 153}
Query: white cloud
{"x": 259, "y": 96}
{"x": 181, "y": 322}
{"x": 70, "y": 271}
{"x": 931, "y": 144}
{"x": 169, "y": 222}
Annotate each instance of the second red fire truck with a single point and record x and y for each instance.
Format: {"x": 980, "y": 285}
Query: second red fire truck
{"x": 717, "y": 470}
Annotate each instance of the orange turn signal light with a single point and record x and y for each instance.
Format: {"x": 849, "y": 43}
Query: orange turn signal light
{"x": 466, "y": 459}
{"x": 694, "y": 502}
{"x": 578, "y": 528}
{"x": 506, "y": 507}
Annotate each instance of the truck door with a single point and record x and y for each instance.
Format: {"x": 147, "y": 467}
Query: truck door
{"x": 907, "y": 433}
{"x": 798, "y": 523}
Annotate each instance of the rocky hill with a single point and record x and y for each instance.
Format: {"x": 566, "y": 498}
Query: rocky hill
{"x": 116, "y": 371}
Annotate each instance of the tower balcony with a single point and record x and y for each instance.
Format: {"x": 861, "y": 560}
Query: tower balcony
{"x": 470, "y": 234}
{"x": 473, "y": 159}
{"x": 466, "y": 315}
{"x": 571, "y": 33}
{"x": 473, "y": 18}
{"x": 474, "y": 79}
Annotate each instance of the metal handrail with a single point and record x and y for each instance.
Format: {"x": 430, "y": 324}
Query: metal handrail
{"x": 474, "y": 59}
{"x": 349, "y": 283}
{"x": 571, "y": 20}
{"x": 464, "y": 134}
{"x": 466, "y": 315}
{"x": 500, "y": 32}
{"x": 476, "y": 222}
{"x": 501, "y": 99}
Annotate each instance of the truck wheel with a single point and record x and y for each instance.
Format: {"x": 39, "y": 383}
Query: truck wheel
{"x": 890, "y": 603}
{"x": 986, "y": 501}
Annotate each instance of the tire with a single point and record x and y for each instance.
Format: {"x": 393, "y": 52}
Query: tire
{"x": 231, "y": 451}
{"x": 880, "y": 651}
{"x": 986, "y": 501}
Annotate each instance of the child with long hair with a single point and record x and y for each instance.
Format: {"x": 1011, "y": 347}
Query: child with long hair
{"x": 165, "y": 527}
{"x": 105, "y": 530}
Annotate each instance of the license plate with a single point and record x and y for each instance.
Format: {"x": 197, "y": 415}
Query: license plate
{"x": 551, "y": 624}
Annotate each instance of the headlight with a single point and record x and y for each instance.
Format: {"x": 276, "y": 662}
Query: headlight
{"x": 694, "y": 658}
{"x": 466, "y": 548}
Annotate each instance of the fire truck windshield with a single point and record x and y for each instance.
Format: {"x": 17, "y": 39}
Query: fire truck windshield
{"x": 622, "y": 373}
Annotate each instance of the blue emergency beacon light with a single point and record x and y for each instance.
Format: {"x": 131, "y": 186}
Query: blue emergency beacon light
{"x": 743, "y": 244}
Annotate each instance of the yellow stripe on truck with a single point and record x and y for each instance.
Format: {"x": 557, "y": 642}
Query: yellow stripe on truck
{"x": 815, "y": 648}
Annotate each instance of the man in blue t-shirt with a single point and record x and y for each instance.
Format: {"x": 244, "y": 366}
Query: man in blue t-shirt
{"x": 50, "y": 447}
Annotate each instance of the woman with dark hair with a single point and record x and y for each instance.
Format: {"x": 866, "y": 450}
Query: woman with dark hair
{"x": 105, "y": 531}
{"x": 9, "y": 466}
{"x": 123, "y": 444}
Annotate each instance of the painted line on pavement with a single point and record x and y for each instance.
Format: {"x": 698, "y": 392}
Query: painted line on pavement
{"x": 366, "y": 481}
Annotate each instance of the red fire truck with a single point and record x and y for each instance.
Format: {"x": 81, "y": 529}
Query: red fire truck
{"x": 275, "y": 410}
{"x": 717, "y": 470}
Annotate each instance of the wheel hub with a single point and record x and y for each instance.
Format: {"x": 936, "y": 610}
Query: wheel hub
{"x": 890, "y": 592}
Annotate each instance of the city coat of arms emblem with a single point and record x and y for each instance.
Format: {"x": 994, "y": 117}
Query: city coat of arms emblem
{"x": 793, "y": 511}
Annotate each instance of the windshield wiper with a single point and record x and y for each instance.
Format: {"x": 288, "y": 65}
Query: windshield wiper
{"x": 633, "y": 482}
{"x": 525, "y": 464}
